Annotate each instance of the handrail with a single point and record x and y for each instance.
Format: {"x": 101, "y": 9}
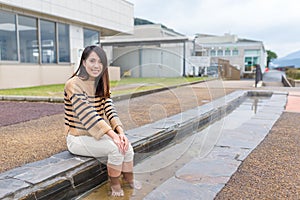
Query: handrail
{"x": 285, "y": 81}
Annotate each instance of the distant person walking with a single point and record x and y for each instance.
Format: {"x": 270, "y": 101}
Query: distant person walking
{"x": 92, "y": 125}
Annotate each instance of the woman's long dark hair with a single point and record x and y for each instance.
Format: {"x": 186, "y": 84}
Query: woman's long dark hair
{"x": 102, "y": 81}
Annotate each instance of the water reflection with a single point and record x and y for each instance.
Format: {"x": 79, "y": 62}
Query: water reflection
{"x": 254, "y": 105}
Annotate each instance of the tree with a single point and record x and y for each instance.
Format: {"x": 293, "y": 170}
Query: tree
{"x": 270, "y": 57}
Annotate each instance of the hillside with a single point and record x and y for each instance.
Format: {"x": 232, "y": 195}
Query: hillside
{"x": 292, "y": 59}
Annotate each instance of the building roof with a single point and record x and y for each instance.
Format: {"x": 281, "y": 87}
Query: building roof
{"x": 138, "y": 41}
{"x": 140, "y": 21}
{"x": 247, "y": 40}
{"x": 145, "y": 32}
{"x": 222, "y": 39}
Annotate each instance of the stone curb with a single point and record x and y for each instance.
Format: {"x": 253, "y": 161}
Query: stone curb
{"x": 115, "y": 98}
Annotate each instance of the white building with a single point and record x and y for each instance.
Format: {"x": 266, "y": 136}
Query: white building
{"x": 156, "y": 51}
{"x": 41, "y": 41}
{"x": 152, "y": 50}
{"x": 241, "y": 53}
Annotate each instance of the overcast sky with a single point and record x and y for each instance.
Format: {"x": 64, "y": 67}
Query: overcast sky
{"x": 274, "y": 22}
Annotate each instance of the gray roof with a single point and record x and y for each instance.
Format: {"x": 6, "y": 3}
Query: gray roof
{"x": 136, "y": 41}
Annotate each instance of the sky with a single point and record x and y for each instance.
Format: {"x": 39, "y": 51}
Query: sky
{"x": 274, "y": 22}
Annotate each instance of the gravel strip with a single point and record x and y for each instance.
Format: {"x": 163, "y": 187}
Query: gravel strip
{"x": 16, "y": 112}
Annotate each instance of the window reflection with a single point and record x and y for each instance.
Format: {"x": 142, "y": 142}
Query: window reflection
{"x": 48, "y": 42}
{"x": 91, "y": 37}
{"x": 8, "y": 37}
{"x": 63, "y": 43}
{"x": 29, "y": 47}
{"x": 235, "y": 52}
{"x": 32, "y": 47}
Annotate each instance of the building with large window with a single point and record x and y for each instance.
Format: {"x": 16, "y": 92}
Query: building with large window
{"x": 241, "y": 53}
{"x": 41, "y": 41}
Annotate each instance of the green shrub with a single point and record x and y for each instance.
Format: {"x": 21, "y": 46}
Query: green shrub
{"x": 293, "y": 73}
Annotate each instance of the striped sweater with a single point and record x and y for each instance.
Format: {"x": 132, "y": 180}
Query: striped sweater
{"x": 85, "y": 113}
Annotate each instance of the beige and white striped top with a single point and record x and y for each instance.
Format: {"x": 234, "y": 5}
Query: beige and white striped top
{"x": 85, "y": 113}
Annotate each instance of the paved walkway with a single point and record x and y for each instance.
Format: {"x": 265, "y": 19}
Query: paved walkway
{"x": 293, "y": 104}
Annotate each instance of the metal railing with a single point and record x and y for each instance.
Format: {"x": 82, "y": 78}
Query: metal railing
{"x": 285, "y": 81}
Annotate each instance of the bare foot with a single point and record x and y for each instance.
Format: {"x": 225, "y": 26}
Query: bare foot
{"x": 116, "y": 191}
{"x": 134, "y": 184}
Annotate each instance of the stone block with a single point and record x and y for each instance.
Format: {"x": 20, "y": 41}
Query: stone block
{"x": 10, "y": 185}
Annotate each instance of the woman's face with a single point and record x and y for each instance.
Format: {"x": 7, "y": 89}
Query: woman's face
{"x": 93, "y": 65}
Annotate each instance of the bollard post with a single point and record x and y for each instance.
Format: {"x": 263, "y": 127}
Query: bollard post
{"x": 258, "y": 74}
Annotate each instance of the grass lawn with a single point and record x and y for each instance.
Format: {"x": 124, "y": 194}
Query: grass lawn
{"x": 124, "y": 86}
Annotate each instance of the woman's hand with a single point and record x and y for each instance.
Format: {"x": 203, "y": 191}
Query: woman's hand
{"x": 123, "y": 138}
{"x": 124, "y": 141}
{"x": 117, "y": 140}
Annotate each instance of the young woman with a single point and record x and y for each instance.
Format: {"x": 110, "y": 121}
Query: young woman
{"x": 92, "y": 125}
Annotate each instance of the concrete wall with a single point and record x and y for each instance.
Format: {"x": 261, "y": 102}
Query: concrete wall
{"x": 294, "y": 83}
{"x": 15, "y": 76}
{"x": 150, "y": 60}
{"x": 151, "y": 51}
{"x": 226, "y": 38}
{"x": 227, "y": 71}
{"x": 114, "y": 73}
{"x": 116, "y": 15}
{"x": 145, "y": 31}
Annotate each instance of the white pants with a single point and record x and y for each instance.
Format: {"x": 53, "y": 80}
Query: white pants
{"x": 88, "y": 146}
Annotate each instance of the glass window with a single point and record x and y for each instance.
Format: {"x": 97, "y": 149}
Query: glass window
{"x": 255, "y": 60}
{"x": 250, "y": 62}
{"x": 220, "y": 52}
{"x": 227, "y": 52}
{"x": 29, "y": 47}
{"x": 48, "y": 41}
{"x": 8, "y": 37}
{"x": 63, "y": 43}
{"x": 235, "y": 52}
{"x": 212, "y": 52}
{"x": 91, "y": 37}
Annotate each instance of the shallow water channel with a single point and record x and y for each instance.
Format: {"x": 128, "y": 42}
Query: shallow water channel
{"x": 163, "y": 164}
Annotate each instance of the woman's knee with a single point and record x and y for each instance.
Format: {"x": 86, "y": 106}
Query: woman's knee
{"x": 129, "y": 154}
{"x": 114, "y": 156}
